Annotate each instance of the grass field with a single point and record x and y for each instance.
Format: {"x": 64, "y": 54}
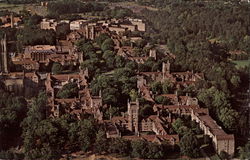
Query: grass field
{"x": 242, "y": 63}
{"x": 34, "y": 8}
{"x": 11, "y": 7}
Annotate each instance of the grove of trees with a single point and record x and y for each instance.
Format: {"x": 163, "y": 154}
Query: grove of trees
{"x": 201, "y": 34}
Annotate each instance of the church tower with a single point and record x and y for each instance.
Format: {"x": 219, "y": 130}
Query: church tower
{"x": 4, "y": 55}
{"x": 133, "y": 116}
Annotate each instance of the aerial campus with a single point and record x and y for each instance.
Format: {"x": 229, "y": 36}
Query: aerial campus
{"x": 145, "y": 79}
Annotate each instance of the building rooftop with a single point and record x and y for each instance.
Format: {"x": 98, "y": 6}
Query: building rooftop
{"x": 214, "y": 127}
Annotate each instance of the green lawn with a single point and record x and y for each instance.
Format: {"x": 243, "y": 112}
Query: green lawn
{"x": 242, "y": 63}
{"x": 34, "y": 8}
{"x": 11, "y": 7}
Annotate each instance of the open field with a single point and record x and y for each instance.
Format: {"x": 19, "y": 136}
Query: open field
{"x": 242, "y": 63}
{"x": 136, "y": 8}
{"x": 11, "y": 7}
{"x": 33, "y": 8}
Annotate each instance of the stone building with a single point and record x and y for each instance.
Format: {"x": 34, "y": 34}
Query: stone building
{"x": 221, "y": 140}
{"x": 36, "y": 58}
{"x": 78, "y": 24}
{"x": 178, "y": 110}
{"x": 83, "y": 103}
{"x": 53, "y": 84}
{"x": 75, "y": 36}
{"x": 175, "y": 99}
{"x": 48, "y": 24}
{"x": 131, "y": 121}
{"x": 21, "y": 83}
{"x": 180, "y": 79}
{"x": 27, "y": 65}
{"x": 10, "y": 21}
{"x": 141, "y": 26}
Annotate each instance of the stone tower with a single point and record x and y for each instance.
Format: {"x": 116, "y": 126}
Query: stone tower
{"x": 4, "y": 55}
{"x": 165, "y": 68}
{"x": 133, "y": 116}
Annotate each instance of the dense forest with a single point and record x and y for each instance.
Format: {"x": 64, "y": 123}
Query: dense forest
{"x": 201, "y": 35}
{"x": 73, "y": 6}
{"x": 227, "y": 25}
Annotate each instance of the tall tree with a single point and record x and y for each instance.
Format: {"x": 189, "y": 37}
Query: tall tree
{"x": 189, "y": 145}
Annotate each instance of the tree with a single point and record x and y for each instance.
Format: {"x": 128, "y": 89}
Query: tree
{"x": 12, "y": 112}
{"x": 69, "y": 90}
{"x": 87, "y": 48}
{"x": 62, "y": 30}
{"x": 110, "y": 95}
{"x": 155, "y": 151}
{"x": 82, "y": 133}
{"x": 245, "y": 151}
{"x": 133, "y": 95}
{"x": 56, "y": 68}
{"x": 235, "y": 80}
{"x": 224, "y": 155}
{"x": 132, "y": 65}
{"x": 139, "y": 149}
{"x": 120, "y": 146}
{"x": 177, "y": 124}
{"x": 109, "y": 58}
{"x": 156, "y": 87}
{"x": 145, "y": 111}
{"x": 101, "y": 143}
{"x": 32, "y": 36}
{"x": 101, "y": 38}
{"x": 120, "y": 61}
{"x": 92, "y": 66}
{"x": 38, "y": 133}
{"x": 33, "y": 20}
{"x": 189, "y": 145}
{"x": 108, "y": 44}
{"x": 167, "y": 87}
{"x": 207, "y": 139}
{"x": 162, "y": 100}
{"x": 213, "y": 99}
{"x": 229, "y": 118}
